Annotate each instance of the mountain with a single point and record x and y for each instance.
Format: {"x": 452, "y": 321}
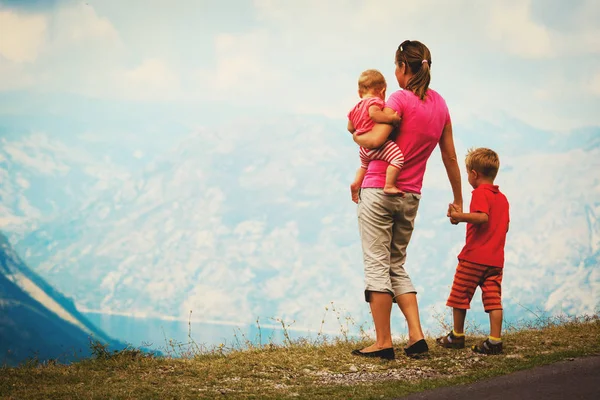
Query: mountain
{"x": 203, "y": 218}
{"x": 36, "y": 320}
{"x": 253, "y": 219}
{"x": 42, "y": 178}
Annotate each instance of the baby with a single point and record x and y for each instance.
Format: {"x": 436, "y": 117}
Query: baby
{"x": 362, "y": 118}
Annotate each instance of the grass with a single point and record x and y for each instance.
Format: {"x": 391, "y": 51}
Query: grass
{"x": 299, "y": 369}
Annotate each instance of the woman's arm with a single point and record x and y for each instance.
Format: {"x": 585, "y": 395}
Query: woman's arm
{"x": 451, "y": 165}
{"x": 376, "y": 136}
{"x": 351, "y": 127}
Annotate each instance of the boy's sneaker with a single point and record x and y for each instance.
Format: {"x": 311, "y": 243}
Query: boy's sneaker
{"x": 487, "y": 347}
{"x": 451, "y": 342}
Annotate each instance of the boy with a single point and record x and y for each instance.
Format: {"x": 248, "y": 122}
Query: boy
{"x": 481, "y": 261}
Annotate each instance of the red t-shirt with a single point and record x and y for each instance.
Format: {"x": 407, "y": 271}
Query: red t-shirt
{"x": 485, "y": 242}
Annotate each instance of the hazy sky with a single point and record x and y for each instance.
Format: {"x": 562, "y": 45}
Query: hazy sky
{"x": 535, "y": 60}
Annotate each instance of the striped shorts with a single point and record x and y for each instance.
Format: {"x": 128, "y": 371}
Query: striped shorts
{"x": 388, "y": 152}
{"x": 466, "y": 279}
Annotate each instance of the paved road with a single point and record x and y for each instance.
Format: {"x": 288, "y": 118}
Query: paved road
{"x": 573, "y": 380}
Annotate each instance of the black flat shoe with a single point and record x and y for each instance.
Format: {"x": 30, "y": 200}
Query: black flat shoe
{"x": 417, "y": 349}
{"x": 386, "y": 354}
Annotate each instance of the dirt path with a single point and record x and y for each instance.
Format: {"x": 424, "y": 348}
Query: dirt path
{"x": 578, "y": 379}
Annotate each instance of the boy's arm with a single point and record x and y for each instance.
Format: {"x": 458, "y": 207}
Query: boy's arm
{"x": 476, "y": 218}
{"x": 382, "y": 117}
{"x": 351, "y": 127}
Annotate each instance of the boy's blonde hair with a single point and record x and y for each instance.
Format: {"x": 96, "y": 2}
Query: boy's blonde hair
{"x": 484, "y": 161}
{"x": 371, "y": 80}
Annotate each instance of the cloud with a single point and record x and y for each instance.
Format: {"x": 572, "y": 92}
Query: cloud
{"x": 504, "y": 40}
{"x": 594, "y": 86}
{"x": 573, "y": 25}
{"x": 305, "y": 58}
{"x": 13, "y": 77}
{"x": 153, "y": 79}
{"x": 512, "y": 27}
{"x": 22, "y": 36}
{"x": 79, "y": 24}
{"x": 242, "y": 69}
{"x": 61, "y": 50}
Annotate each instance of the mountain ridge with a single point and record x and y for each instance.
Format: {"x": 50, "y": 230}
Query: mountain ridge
{"x": 37, "y": 320}
{"x": 179, "y": 236}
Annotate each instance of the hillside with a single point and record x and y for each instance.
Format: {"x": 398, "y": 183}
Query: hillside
{"x": 300, "y": 370}
{"x": 37, "y": 321}
{"x": 233, "y": 228}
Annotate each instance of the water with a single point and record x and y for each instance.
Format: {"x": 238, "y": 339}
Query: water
{"x": 170, "y": 336}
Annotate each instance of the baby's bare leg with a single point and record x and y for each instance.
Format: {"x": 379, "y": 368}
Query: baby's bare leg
{"x": 391, "y": 176}
{"x": 355, "y": 186}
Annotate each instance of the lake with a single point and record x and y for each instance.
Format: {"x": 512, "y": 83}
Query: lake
{"x": 175, "y": 337}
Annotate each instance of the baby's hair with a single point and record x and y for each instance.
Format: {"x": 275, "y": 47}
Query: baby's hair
{"x": 484, "y": 161}
{"x": 371, "y": 80}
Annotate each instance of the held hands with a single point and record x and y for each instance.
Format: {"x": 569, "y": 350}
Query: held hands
{"x": 453, "y": 211}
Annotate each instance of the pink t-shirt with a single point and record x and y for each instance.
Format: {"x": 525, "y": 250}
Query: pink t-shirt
{"x": 420, "y": 131}
{"x": 359, "y": 115}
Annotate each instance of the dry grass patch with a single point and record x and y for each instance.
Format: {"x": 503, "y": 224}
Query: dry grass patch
{"x": 297, "y": 370}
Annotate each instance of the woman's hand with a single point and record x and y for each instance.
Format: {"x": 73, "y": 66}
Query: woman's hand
{"x": 454, "y": 209}
{"x": 396, "y": 120}
{"x": 354, "y": 189}
{"x": 375, "y": 137}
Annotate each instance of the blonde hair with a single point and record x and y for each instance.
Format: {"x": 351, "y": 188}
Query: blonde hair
{"x": 484, "y": 161}
{"x": 371, "y": 80}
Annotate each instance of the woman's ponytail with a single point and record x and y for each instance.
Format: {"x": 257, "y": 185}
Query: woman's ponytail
{"x": 416, "y": 56}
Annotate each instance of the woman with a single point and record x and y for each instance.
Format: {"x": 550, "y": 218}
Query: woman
{"x": 386, "y": 222}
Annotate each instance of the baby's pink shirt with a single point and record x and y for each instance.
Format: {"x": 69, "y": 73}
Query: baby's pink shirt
{"x": 420, "y": 131}
{"x": 359, "y": 115}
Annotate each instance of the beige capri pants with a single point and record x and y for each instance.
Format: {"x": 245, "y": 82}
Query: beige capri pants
{"x": 386, "y": 224}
